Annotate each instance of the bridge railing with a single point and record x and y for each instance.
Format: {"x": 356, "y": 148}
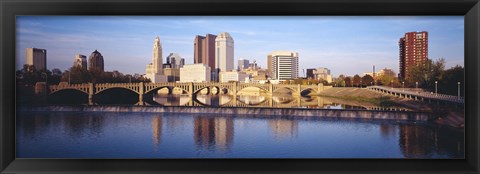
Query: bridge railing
{"x": 422, "y": 94}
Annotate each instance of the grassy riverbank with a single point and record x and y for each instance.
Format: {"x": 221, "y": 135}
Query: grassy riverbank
{"x": 383, "y": 101}
{"x": 447, "y": 115}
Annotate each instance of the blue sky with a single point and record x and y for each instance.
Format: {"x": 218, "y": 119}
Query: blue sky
{"x": 345, "y": 44}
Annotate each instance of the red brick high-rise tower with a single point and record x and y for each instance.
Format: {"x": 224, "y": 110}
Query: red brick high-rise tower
{"x": 204, "y": 50}
{"x": 413, "y": 51}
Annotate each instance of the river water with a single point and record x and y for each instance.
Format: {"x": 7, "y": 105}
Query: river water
{"x": 176, "y": 135}
{"x": 181, "y": 135}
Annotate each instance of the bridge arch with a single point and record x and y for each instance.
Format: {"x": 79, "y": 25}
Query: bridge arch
{"x": 244, "y": 89}
{"x": 68, "y": 96}
{"x": 68, "y": 88}
{"x": 307, "y": 91}
{"x": 171, "y": 88}
{"x": 209, "y": 88}
{"x": 116, "y": 95}
{"x": 262, "y": 87}
{"x": 116, "y": 87}
{"x": 291, "y": 89}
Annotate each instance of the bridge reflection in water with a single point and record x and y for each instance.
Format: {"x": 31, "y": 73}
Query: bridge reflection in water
{"x": 275, "y": 101}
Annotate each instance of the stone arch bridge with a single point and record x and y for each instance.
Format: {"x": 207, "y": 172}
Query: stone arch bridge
{"x": 189, "y": 88}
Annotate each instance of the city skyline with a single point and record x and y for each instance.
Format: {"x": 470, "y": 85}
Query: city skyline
{"x": 320, "y": 41}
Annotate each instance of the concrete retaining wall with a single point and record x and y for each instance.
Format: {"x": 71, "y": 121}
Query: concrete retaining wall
{"x": 331, "y": 113}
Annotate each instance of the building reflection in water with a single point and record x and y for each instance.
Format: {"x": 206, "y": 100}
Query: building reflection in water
{"x": 71, "y": 124}
{"x": 213, "y": 133}
{"x": 282, "y": 99}
{"x": 388, "y": 131}
{"x": 283, "y": 129}
{"x": 224, "y": 99}
{"x": 157, "y": 130}
{"x": 171, "y": 100}
{"x": 417, "y": 141}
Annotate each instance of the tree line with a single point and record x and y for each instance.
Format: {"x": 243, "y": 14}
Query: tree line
{"x": 421, "y": 76}
{"x": 29, "y": 76}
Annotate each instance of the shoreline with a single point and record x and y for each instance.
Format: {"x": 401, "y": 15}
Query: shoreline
{"x": 302, "y": 112}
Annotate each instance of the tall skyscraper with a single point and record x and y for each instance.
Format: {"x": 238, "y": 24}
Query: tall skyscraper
{"x": 95, "y": 61}
{"x": 80, "y": 61}
{"x": 155, "y": 69}
{"x": 37, "y": 57}
{"x": 243, "y": 64}
{"x": 204, "y": 50}
{"x": 413, "y": 51}
{"x": 283, "y": 65}
{"x": 224, "y": 52}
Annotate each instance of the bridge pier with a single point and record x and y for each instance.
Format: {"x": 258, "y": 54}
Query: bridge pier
{"x": 270, "y": 101}
{"x": 234, "y": 93}
{"x": 140, "y": 93}
{"x": 270, "y": 90}
{"x": 299, "y": 90}
{"x": 91, "y": 92}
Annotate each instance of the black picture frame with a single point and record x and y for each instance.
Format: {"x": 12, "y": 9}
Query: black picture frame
{"x": 470, "y": 9}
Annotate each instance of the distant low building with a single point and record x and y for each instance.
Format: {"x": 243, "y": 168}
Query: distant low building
{"x": 243, "y": 64}
{"x": 381, "y": 73}
{"x": 320, "y": 74}
{"x": 310, "y": 74}
{"x": 256, "y": 74}
{"x": 172, "y": 74}
{"x": 195, "y": 73}
{"x": 236, "y": 76}
{"x": 175, "y": 60}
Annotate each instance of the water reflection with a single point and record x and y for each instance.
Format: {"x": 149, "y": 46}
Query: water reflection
{"x": 156, "y": 130}
{"x": 140, "y": 135}
{"x": 275, "y": 101}
{"x": 252, "y": 100}
{"x": 213, "y": 132}
{"x": 424, "y": 142}
{"x": 283, "y": 129}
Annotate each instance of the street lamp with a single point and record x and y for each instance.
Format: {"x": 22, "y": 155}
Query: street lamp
{"x": 458, "y": 83}
{"x": 436, "y": 87}
{"x": 403, "y": 86}
{"x": 391, "y": 83}
{"x": 416, "y": 84}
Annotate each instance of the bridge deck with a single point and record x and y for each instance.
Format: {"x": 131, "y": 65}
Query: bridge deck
{"x": 413, "y": 94}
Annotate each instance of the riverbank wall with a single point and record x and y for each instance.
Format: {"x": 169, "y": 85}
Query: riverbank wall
{"x": 301, "y": 112}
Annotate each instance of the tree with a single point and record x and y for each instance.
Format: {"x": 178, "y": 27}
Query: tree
{"x": 387, "y": 80}
{"x": 367, "y": 80}
{"x": 426, "y": 74}
{"x": 339, "y": 82}
{"x": 76, "y": 75}
{"x": 348, "y": 81}
{"x": 356, "y": 80}
{"x": 29, "y": 75}
{"x": 449, "y": 81}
